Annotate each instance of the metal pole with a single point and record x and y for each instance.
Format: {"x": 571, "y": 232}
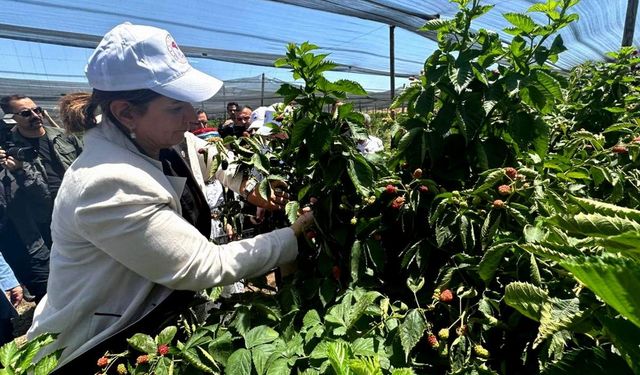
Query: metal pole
{"x": 262, "y": 92}
{"x": 392, "y": 61}
{"x": 630, "y": 23}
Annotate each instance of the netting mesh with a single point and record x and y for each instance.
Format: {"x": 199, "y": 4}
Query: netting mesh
{"x": 45, "y": 44}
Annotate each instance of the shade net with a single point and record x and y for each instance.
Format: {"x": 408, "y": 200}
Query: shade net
{"x": 44, "y": 45}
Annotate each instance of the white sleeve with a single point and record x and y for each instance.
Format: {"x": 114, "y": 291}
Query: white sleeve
{"x": 144, "y": 234}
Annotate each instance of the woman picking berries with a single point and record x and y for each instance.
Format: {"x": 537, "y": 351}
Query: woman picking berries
{"x": 130, "y": 225}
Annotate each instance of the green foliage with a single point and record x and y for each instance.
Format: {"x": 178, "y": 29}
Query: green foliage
{"x": 21, "y": 360}
{"x": 498, "y": 234}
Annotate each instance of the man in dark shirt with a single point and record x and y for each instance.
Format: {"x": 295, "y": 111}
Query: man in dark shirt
{"x": 30, "y": 214}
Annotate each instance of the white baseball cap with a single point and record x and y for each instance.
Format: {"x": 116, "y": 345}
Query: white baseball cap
{"x": 135, "y": 57}
{"x": 257, "y": 118}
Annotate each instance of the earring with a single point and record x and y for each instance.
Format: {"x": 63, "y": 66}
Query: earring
{"x": 132, "y": 135}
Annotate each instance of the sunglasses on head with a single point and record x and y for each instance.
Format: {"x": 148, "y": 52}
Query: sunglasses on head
{"x": 30, "y": 111}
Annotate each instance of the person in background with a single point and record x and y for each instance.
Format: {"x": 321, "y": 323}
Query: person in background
{"x": 131, "y": 225}
{"x": 8, "y": 305}
{"x": 30, "y": 187}
{"x": 56, "y": 149}
{"x": 240, "y": 125}
{"x": 201, "y": 122}
{"x": 371, "y": 144}
{"x": 232, "y": 109}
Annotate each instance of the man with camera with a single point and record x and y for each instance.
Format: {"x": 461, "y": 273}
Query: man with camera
{"x": 33, "y": 160}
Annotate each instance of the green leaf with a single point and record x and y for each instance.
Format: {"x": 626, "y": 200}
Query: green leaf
{"x": 624, "y": 336}
{"x": 47, "y": 364}
{"x": 166, "y": 335}
{"x": 365, "y": 366}
{"x": 411, "y": 330}
{"x": 490, "y": 181}
{"x": 239, "y": 363}
{"x": 438, "y": 24}
{"x": 362, "y": 304}
{"x": 260, "y": 162}
{"x": 363, "y": 347}
{"x": 547, "y": 253}
{"x": 8, "y": 354}
{"x": 338, "y": 353}
{"x": 291, "y": 210}
{"x": 408, "y": 95}
{"x": 557, "y": 315}
{"x": 615, "y": 280}
{"x": 279, "y": 366}
{"x": 596, "y": 225}
{"x": 143, "y": 343}
{"x": 461, "y": 77}
{"x": 593, "y": 207}
{"x": 260, "y": 335}
{"x": 346, "y": 85}
{"x": 521, "y": 21}
{"x": 403, "y": 371}
{"x": 526, "y": 298}
{"x": 300, "y": 131}
{"x": 491, "y": 261}
{"x": 265, "y": 189}
{"x": 356, "y": 257}
{"x": 588, "y": 361}
{"x": 550, "y": 85}
{"x": 361, "y": 174}
{"x": 260, "y": 356}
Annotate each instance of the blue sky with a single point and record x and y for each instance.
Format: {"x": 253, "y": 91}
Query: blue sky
{"x": 242, "y": 26}
{"x": 267, "y": 26}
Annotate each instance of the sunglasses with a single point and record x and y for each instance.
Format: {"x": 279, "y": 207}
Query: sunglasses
{"x": 30, "y": 111}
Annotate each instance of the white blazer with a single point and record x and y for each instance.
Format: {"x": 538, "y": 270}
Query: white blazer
{"x": 120, "y": 245}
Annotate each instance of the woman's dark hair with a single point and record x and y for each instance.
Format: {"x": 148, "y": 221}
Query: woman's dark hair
{"x": 78, "y": 110}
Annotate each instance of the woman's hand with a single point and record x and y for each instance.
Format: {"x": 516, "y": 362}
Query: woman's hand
{"x": 304, "y": 222}
{"x": 278, "y": 199}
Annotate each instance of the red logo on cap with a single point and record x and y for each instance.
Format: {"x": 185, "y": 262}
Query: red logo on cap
{"x": 175, "y": 51}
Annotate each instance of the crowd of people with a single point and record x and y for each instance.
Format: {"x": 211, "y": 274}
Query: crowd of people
{"x": 111, "y": 223}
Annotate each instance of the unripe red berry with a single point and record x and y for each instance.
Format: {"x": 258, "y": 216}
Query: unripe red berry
{"x": 423, "y": 189}
{"x": 433, "y": 341}
{"x": 141, "y": 360}
{"x": 397, "y": 203}
{"x": 163, "y": 349}
{"x": 417, "y": 173}
{"x": 498, "y": 203}
{"x": 390, "y": 189}
{"x": 446, "y": 296}
{"x": 103, "y": 361}
{"x": 619, "y": 149}
{"x": 504, "y": 190}
{"x": 511, "y": 172}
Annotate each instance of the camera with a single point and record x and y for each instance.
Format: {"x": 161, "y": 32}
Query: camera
{"x": 11, "y": 149}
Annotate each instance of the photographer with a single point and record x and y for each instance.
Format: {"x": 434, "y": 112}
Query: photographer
{"x": 31, "y": 178}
